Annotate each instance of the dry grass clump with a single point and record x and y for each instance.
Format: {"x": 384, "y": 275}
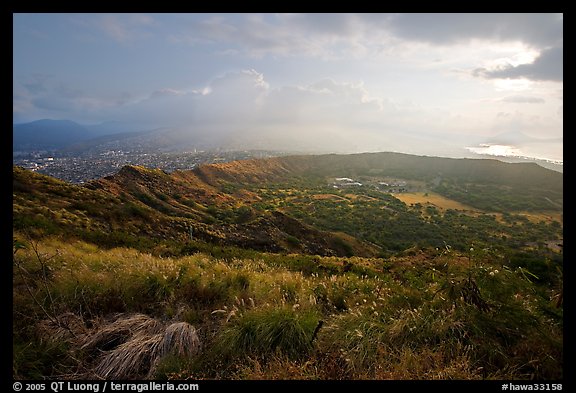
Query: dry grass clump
{"x": 131, "y": 359}
{"x": 134, "y": 344}
{"x": 180, "y": 339}
{"x": 120, "y": 330}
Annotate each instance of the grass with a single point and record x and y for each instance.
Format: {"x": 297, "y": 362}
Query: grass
{"x": 81, "y": 311}
{"x": 180, "y": 339}
{"x": 109, "y": 335}
{"x": 431, "y": 198}
{"x": 267, "y": 330}
{"x": 131, "y": 359}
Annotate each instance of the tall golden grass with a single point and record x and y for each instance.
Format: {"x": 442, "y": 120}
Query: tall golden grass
{"x": 255, "y": 318}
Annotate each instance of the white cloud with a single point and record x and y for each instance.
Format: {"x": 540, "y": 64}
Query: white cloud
{"x": 513, "y": 84}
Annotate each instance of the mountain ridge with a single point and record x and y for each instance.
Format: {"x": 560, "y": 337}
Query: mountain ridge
{"x": 233, "y": 203}
{"x": 412, "y": 166}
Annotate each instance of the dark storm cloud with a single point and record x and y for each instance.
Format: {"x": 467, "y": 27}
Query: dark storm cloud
{"x": 547, "y": 66}
{"x": 538, "y": 30}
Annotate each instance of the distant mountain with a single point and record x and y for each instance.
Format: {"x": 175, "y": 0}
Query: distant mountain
{"x": 50, "y": 134}
{"x": 47, "y": 134}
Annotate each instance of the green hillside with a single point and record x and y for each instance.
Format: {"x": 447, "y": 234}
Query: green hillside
{"x": 303, "y": 267}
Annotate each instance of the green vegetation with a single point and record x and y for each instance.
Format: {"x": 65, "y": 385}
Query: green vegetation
{"x": 264, "y": 270}
{"x": 499, "y": 198}
{"x": 384, "y": 220}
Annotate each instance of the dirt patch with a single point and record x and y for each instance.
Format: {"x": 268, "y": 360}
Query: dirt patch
{"x": 433, "y": 199}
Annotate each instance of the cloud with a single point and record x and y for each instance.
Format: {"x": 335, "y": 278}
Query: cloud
{"x": 538, "y": 30}
{"x": 122, "y": 27}
{"x": 326, "y": 115}
{"x": 242, "y": 105}
{"x": 411, "y": 38}
{"x": 523, "y": 100}
{"x": 234, "y": 98}
{"x": 244, "y": 110}
{"x": 322, "y": 24}
{"x": 166, "y": 92}
{"x": 548, "y": 66}
{"x": 337, "y": 34}
{"x": 259, "y": 35}
{"x": 37, "y": 83}
{"x": 237, "y": 101}
{"x": 224, "y": 102}
{"x": 327, "y": 102}
{"x": 42, "y": 96}
{"x": 526, "y": 124}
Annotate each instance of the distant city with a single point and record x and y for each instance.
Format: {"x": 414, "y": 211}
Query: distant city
{"x": 79, "y": 153}
{"x": 80, "y": 168}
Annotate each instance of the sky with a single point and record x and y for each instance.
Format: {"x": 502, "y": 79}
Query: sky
{"x": 433, "y": 84}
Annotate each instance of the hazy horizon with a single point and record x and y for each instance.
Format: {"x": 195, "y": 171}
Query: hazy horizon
{"x": 433, "y": 84}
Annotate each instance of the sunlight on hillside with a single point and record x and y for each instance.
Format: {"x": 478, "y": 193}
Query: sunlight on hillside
{"x": 411, "y": 198}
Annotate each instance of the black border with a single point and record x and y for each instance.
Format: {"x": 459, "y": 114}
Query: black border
{"x": 267, "y": 386}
